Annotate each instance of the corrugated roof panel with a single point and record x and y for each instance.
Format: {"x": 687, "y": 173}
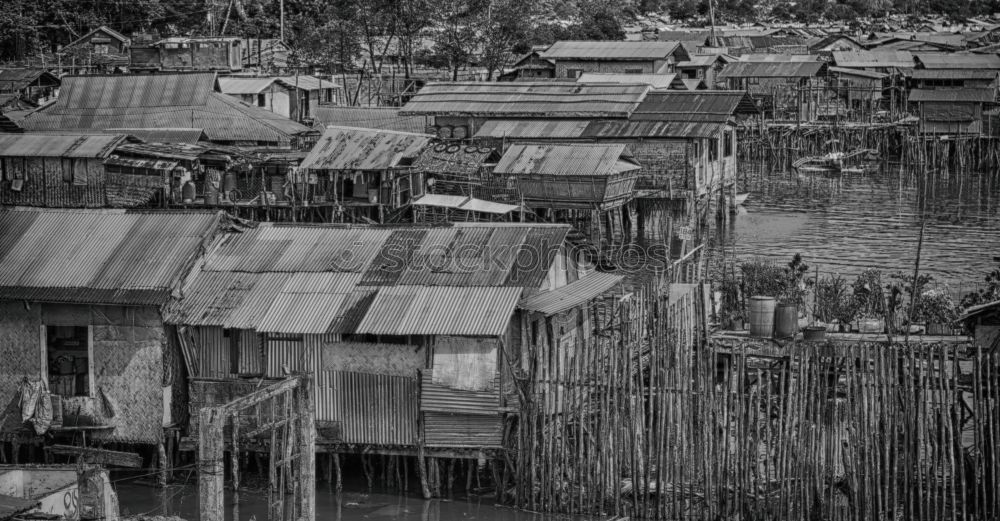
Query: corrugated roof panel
{"x": 346, "y": 148}
{"x": 609, "y": 50}
{"x": 874, "y": 59}
{"x": 393, "y": 257}
{"x": 953, "y": 95}
{"x": 654, "y": 129}
{"x": 424, "y": 310}
{"x": 520, "y": 99}
{"x": 136, "y": 90}
{"x": 580, "y": 160}
{"x": 958, "y": 61}
{"x": 571, "y": 295}
{"x": 657, "y": 81}
{"x": 244, "y": 85}
{"x": 383, "y": 118}
{"x": 531, "y": 265}
{"x": 103, "y": 256}
{"x": 771, "y": 70}
{"x": 539, "y": 129}
{"x": 699, "y": 105}
{"x": 301, "y": 313}
{"x": 59, "y": 145}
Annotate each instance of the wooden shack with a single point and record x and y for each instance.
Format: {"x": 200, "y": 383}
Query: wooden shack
{"x": 592, "y": 176}
{"x": 951, "y": 111}
{"x": 408, "y": 331}
{"x": 786, "y": 90}
{"x": 221, "y": 53}
{"x": 55, "y": 170}
{"x": 366, "y": 172}
{"x": 80, "y": 325}
{"x": 30, "y": 86}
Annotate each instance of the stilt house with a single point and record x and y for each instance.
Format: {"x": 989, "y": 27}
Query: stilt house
{"x": 85, "y": 352}
{"x": 411, "y": 333}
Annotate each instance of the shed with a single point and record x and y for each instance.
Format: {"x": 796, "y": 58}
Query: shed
{"x": 951, "y": 111}
{"x": 573, "y": 58}
{"x": 80, "y": 297}
{"x": 34, "y": 86}
{"x": 596, "y": 177}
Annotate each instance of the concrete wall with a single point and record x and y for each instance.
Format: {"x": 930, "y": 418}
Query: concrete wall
{"x": 130, "y": 383}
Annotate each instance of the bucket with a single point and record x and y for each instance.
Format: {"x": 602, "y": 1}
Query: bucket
{"x": 813, "y": 333}
{"x": 229, "y": 182}
{"x": 786, "y": 320}
{"x": 188, "y": 192}
{"x": 761, "y": 316}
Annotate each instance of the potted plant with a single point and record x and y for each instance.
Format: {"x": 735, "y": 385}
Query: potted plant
{"x": 761, "y": 283}
{"x": 794, "y": 288}
{"x": 869, "y": 301}
{"x": 731, "y": 315}
{"x": 938, "y": 310}
{"x": 829, "y": 297}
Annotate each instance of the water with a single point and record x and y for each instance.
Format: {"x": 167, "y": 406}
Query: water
{"x": 182, "y": 501}
{"x": 872, "y": 220}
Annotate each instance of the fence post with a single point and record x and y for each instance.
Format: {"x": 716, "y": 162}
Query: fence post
{"x": 210, "y": 469}
{"x": 307, "y": 449}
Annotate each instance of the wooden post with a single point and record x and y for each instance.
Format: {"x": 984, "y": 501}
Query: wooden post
{"x": 307, "y": 449}
{"x": 161, "y": 455}
{"x": 210, "y": 469}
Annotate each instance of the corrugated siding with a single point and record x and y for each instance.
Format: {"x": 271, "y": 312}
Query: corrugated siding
{"x": 212, "y": 349}
{"x": 371, "y": 408}
{"x": 462, "y": 430}
{"x": 438, "y": 398}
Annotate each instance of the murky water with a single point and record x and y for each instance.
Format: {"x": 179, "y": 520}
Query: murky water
{"x": 182, "y": 501}
{"x": 872, "y": 220}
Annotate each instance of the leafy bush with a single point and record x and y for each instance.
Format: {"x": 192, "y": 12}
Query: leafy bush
{"x": 833, "y": 300}
{"x": 762, "y": 278}
{"x": 869, "y": 295}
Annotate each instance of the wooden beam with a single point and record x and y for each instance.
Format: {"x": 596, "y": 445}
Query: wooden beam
{"x": 307, "y": 446}
{"x": 211, "y": 421}
{"x": 110, "y": 458}
{"x": 259, "y": 396}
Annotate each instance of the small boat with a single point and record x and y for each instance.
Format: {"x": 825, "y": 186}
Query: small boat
{"x": 741, "y": 198}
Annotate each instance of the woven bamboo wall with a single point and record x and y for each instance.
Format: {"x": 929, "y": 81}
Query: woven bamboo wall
{"x": 19, "y": 357}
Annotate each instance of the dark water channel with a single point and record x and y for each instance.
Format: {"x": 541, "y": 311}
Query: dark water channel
{"x": 871, "y": 219}
{"x": 351, "y": 505}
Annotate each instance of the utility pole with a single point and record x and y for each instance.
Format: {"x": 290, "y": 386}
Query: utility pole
{"x": 711, "y": 17}
{"x": 281, "y": 7}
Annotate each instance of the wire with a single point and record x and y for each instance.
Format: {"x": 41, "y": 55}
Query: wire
{"x": 183, "y": 467}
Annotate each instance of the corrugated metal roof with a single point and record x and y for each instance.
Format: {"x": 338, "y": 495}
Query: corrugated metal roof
{"x": 953, "y": 95}
{"x": 307, "y": 82}
{"x": 771, "y": 69}
{"x": 382, "y": 118}
{"x": 701, "y": 106}
{"x": 859, "y": 73}
{"x": 874, "y": 59}
{"x": 958, "y": 60}
{"x": 430, "y": 310}
{"x": 584, "y": 160}
{"x": 699, "y": 37}
{"x": 59, "y": 145}
{"x": 657, "y": 81}
{"x": 522, "y": 99}
{"x": 609, "y": 50}
{"x": 160, "y": 101}
{"x": 654, "y": 129}
{"x": 346, "y": 148}
{"x": 461, "y": 202}
{"x": 954, "y": 74}
{"x": 98, "y": 256}
{"x": 17, "y": 79}
{"x": 244, "y": 85}
{"x": 532, "y": 128}
{"x": 572, "y": 294}
{"x": 163, "y": 135}
{"x": 778, "y": 58}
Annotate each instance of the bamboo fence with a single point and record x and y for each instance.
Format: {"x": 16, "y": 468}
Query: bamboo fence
{"x": 647, "y": 421}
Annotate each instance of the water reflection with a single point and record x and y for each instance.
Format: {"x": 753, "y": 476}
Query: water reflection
{"x": 871, "y": 219}
{"x": 182, "y": 501}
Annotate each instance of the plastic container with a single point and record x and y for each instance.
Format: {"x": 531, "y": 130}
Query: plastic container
{"x": 786, "y": 320}
{"x": 813, "y": 333}
{"x": 761, "y": 316}
{"x": 188, "y": 192}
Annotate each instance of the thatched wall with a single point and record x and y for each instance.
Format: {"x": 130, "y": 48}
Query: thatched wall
{"x": 128, "y": 348}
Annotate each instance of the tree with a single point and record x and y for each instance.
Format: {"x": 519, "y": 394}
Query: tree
{"x": 456, "y": 38}
{"x": 504, "y": 27}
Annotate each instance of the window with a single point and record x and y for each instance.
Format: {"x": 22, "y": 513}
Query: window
{"x": 101, "y": 48}
{"x": 68, "y": 359}
{"x": 573, "y": 73}
{"x": 713, "y": 149}
{"x": 727, "y": 138}
{"x": 633, "y": 71}
{"x": 261, "y": 100}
